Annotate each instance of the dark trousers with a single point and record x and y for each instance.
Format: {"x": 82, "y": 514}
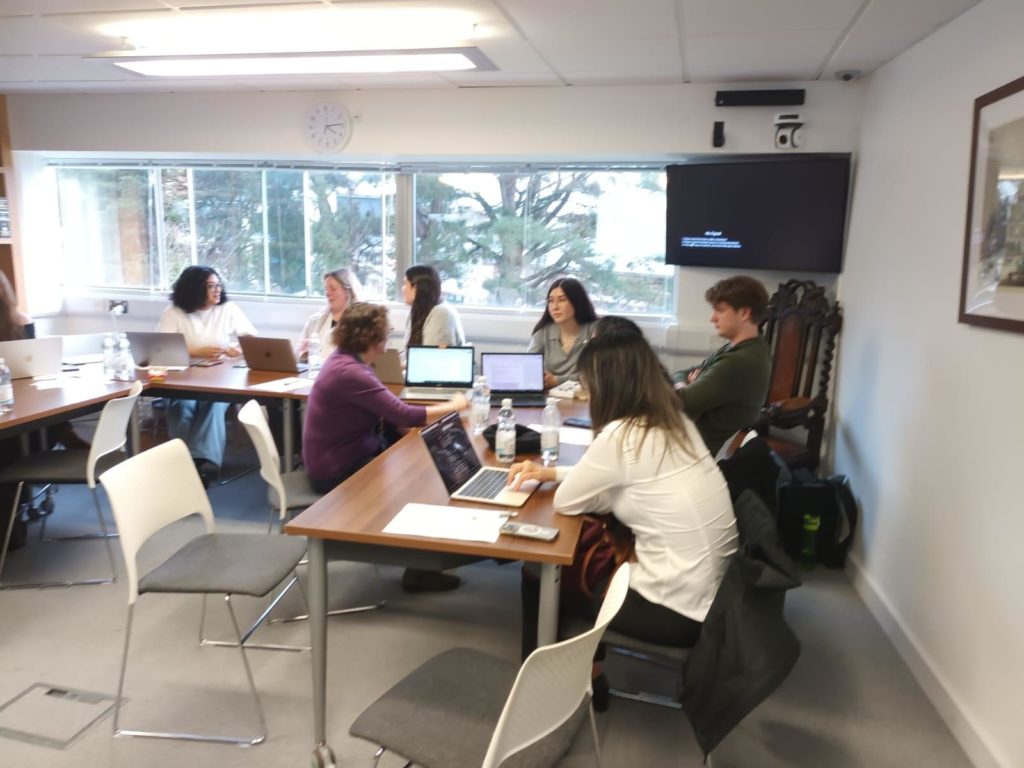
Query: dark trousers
{"x": 638, "y": 617}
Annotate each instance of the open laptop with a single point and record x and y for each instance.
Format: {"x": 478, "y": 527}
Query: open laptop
{"x": 83, "y": 348}
{"x": 388, "y": 367}
{"x": 265, "y": 354}
{"x": 463, "y": 475}
{"x": 518, "y": 375}
{"x": 32, "y": 357}
{"x": 436, "y": 373}
{"x": 167, "y": 350}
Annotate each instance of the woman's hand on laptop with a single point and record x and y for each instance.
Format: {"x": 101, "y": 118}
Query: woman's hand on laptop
{"x": 459, "y": 402}
{"x": 524, "y": 471}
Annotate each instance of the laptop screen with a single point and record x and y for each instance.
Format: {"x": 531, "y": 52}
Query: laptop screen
{"x": 437, "y": 367}
{"x": 451, "y": 450}
{"x": 513, "y": 371}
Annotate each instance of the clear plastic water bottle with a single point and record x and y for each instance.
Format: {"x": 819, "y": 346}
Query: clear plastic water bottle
{"x": 505, "y": 437}
{"x": 6, "y": 388}
{"x": 109, "y": 357}
{"x": 481, "y": 404}
{"x": 550, "y": 432}
{"x": 125, "y": 364}
{"x": 313, "y": 355}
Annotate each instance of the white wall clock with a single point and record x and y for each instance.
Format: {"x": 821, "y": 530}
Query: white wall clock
{"x": 329, "y": 127}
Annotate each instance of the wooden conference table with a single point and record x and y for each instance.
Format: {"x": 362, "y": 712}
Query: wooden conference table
{"x": 348, "y": 523}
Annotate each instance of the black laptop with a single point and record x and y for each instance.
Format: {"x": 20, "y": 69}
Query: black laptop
{"x": 515, "y": 375}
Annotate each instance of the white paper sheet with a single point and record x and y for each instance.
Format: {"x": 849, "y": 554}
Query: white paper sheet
{"x": 571, "y": 435}
{"x": 441, "y": 522}
{"x": 283, "y": 385}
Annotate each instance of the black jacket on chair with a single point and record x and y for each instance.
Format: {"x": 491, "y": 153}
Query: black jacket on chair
{"x": 745, "y": 649}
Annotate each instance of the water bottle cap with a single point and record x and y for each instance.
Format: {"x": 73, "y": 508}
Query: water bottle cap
{"x": 506, "y": 403}
{"x": 553, "y": 401}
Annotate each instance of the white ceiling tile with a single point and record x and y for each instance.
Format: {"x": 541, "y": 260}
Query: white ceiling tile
{"x": 728, "y": 17}
{"x": 869, "y": 49}
{"x": 543, "y": 20}
{"x": 76, "y": 6}
{"x": 58, "y": 68}
{"x": 623, "y": 55}
{"x": 504, "y": 79}
{"x": 778, "y": 56}
{"x": 639, "y": 77}
{"x": 34, "y": 35}
{"x": 924, "y": 16}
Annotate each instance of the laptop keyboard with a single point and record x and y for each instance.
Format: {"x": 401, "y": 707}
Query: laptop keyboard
{"x": 522, "y": 401}
{"x": 488, "y": 484}
{"x": 411, "y": 393}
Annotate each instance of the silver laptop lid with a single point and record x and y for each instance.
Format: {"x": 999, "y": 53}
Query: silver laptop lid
{"x": 262, "y": 353}
{"x": 32, "y": 357}
{"x": 450, "y": 367}
{"x": 513, "y": 372}
{"x": 163, "y": 349}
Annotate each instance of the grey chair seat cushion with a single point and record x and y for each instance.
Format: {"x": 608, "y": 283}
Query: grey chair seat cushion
{"x": 230, "y": 563}
{"x": 297, "y": 490}
{"x": 573, "y": 626}
{"x": 57, "y": 467}
{"x": 443, "y": 714}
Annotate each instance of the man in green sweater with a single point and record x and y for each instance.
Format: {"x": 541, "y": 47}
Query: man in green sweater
{"x": 726, "y": 391}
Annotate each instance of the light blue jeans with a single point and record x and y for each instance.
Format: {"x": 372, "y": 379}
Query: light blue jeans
{"x": 200, "y": 423}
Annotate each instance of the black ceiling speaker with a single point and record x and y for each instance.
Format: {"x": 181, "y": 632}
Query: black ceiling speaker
{"x": 790, "y": 97}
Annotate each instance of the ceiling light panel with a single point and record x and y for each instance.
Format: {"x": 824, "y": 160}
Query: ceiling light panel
{"x": 356, "y": 27}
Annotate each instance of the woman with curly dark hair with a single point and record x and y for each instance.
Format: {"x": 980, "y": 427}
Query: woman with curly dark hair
{"x": 566, "y": 325}
{"x": 200, "y": 311}
{"x": 432, "y": 322}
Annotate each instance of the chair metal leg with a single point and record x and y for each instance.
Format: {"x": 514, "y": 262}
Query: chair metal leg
{"x": 336, "y": 611}
{"x": 238, "y": 741}
{"x": 39, "y": 584}
{"x": 593, "y": 734}
{"x": 255, "y": 625}
{"x": 323, "y": 757}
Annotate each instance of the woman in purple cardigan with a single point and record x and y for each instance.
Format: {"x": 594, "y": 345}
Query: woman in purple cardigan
{"x": 347, "y": 408}
{"x": 348, "y": 403}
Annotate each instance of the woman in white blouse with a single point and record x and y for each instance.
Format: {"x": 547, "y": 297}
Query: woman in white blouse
{"x": 648, "y": 466}
{"x": 341, "y": 288}
{"x": 200, "y": 310}
{"x": 432, "y": 322}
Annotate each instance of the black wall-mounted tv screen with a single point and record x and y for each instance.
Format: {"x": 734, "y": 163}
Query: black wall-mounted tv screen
{"x": 772, "y": 213}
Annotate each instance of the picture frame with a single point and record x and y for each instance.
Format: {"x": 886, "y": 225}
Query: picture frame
{"x": 992, "y": 281}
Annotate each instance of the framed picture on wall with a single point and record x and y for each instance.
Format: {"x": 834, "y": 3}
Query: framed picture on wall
{"x": 992, "y": 283}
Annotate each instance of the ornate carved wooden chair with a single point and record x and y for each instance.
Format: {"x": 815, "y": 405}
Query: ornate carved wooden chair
{"x": 801, "y": 327}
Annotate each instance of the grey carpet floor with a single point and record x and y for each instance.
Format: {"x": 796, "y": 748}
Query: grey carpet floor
{"x": 849, "y": 702}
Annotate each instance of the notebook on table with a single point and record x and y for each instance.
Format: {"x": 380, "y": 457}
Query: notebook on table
{"x": 265, "y": 354}
{"x": 463, "y": 475}
{"x": 166, "y": 350}
{"x": 437, "y": 373}
{"x": 516, "y": 375}
{"x": 32, "y": 357}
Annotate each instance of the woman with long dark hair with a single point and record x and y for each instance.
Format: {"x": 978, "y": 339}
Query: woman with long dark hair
{"x": 200, "y": 311}
{"x": 648, "y": 466}
{"x": 432, "y": 322}
{"x": 562, "y": 331}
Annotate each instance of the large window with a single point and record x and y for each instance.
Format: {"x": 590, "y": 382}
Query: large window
{"x": 498, "y": 238}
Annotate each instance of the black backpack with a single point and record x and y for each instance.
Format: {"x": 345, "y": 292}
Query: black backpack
{"x": 831, "y": 501}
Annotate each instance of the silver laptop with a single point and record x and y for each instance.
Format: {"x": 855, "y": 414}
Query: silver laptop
{"x": 517, "y": 375}
{"x": 265, "y": 354}
{"x": 436, "y": 373}
{"x": 388, "y": 367}
{"x": 83, "y": 348}
{"x": 463, "y": 475}
{"x": 167, "y": 350}
{"x": 32, "y": 357}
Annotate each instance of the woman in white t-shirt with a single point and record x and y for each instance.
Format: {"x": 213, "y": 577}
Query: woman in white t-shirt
{"x": 341, "y": 288}
{"x": 211, "y": 325}
{"x": 648, "y": 466}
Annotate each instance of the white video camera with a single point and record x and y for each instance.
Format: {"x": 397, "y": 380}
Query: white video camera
{"x": 789, "y": 132}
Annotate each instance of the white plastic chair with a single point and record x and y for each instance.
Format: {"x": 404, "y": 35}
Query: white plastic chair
{"x": 459, "y": 709}
{"x": 75, "y": 467}
{"x": 286, "y": 492}
{"x": 154, "y": 489}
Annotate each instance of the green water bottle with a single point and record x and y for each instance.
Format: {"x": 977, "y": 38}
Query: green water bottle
{"x": 809, "y": 541}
